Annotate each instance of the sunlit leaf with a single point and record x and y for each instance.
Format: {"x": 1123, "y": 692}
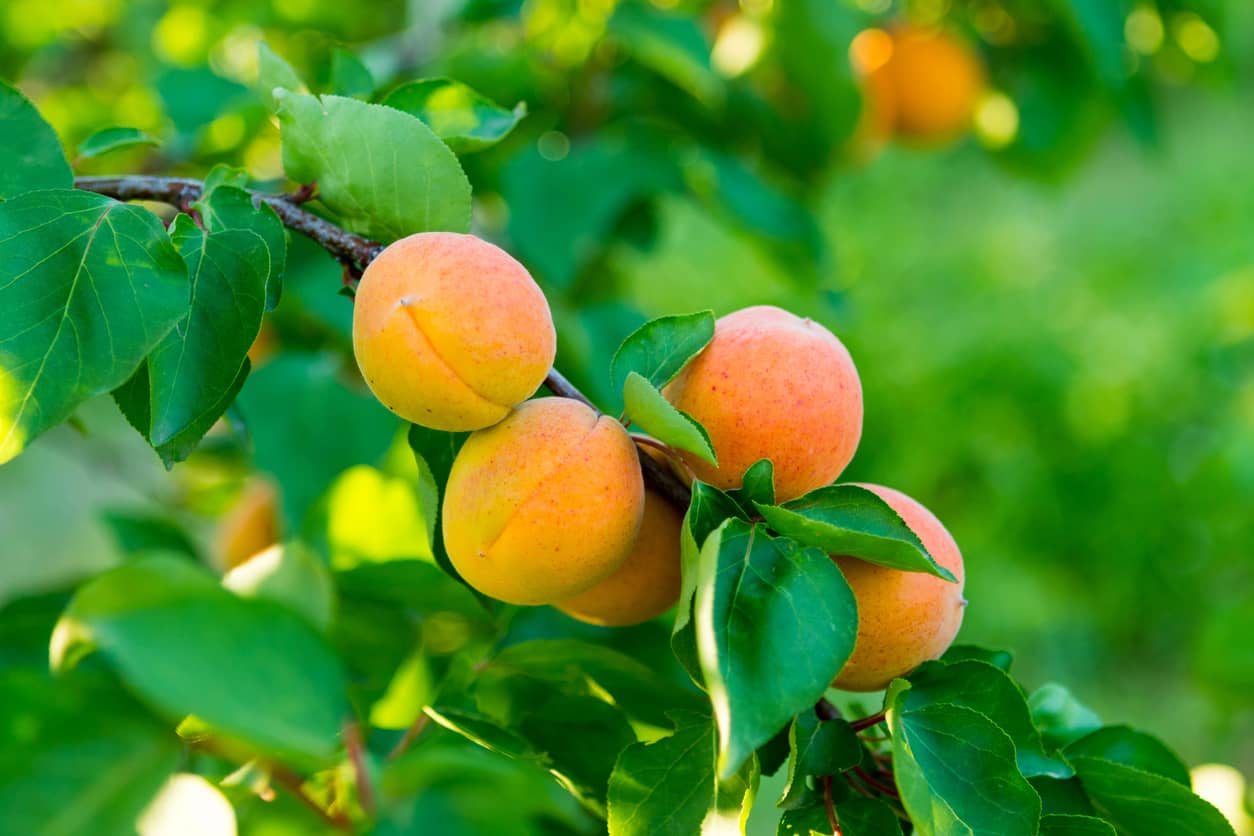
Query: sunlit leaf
{"x": 113, "y": 139}
{"x": 31, "y": 151}
{"x": 646, "y": 407}
{"x": 659, "y": 349}
{"x": 464, "y": 119}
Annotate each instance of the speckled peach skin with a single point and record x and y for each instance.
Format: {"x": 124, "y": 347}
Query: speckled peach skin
{"x": 934, "y": 80}
{"x": 647, "y": 584}
{"x": 450, "y": 332}
{"x": 544, "y": 505}
{"x": 773, "y": 385}
{"x": 904, "y": 618}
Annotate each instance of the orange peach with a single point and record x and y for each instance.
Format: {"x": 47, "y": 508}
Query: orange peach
{"x": 450, "y": 332}
{"x": 904, "y": 618}
{"x": 250, "y": 526}
{"x": 772, "y": 385}
{"x": 544, "y": 505}
{"x": 647, "y": 584}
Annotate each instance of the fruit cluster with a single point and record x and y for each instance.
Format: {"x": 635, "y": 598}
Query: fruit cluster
{"x": 545, "y": 502}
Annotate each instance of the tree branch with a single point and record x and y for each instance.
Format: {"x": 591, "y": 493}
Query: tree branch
{"x": 348, "y": 248}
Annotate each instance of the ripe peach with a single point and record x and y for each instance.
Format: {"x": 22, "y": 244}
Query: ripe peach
{"x": 772, "y": 385}
{"x": 544, "y": 505}
{"x": 904, "y": 618}
{"x": 934, "y": 80}
{"x": 647, "y": 584}
{"x": 450, "y": 332}
{"x": 250, "y": 526}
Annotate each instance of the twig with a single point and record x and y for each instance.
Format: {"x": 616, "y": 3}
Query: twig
{"x": 875, "y": 783}
{"x": 347, "y": 248}
{"x": 868, "y": 722}
{"x": 292, "y": 782}
{"x": 411, "y": 734}
{"x": 829, "y": 806}
{"x": 352, "y": 743}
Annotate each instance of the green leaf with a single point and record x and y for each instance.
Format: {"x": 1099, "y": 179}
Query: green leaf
{"x": 806, "y": 821}
{"x": 860, "y": 816}
{"x": 1064, "y": 797}
{"x": 89, "y": 287}
{"x": 981, "y": 687}
{"x": 707, "y": 510}
{"x": 668, "y": 787}
{"x": 349, "y": 75}
{"x": 225, "y": 206}
{"x": 757, "y": 488}
{"x": 1057, "y": 824}
{"x": 646, "y": 407}
{"x": 291, "y": 575}
{"x": 1098, "y": 27}
{"x": 32, "y": 154}
{"x": 671, "y": 45}
{"x": 956, "y": 772}
{"x": 1129, "y": 747}
{"x": 775, "y": 622}
{"x": 113, "y": 139}
{"x": 136, "y": 533}
{"x": 1139, "y": 803}
{"x": 382, "y": 172}
{"x": 296, "y": 405}
{"x": 274, "y": 72}
{"x": 1061, "y": 718}
{"x": 850, "y": 520}
{"x": 659, "y": 349}
{"x": 1000, "y": 659}
{"x": 464, "y": 119}
{"x": 819, "y": 747}
{"x": 250, "y": 669}
{"x": 79, "y": 755}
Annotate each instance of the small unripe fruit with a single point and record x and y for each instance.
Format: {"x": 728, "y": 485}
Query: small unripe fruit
{"x": 647, "y": 584}
{"x": 544, "y": 505}
{"x": 904, "y": 618}
{"x": 250, "y": 526}
{"x": 450, "y": 332}
{"x": 771, "y": 385}
{"x": 933, "y": 79}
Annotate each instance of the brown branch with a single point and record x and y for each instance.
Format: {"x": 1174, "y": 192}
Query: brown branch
{"x": 350, "y": 249}
{"x": 868, "y": 722}
{"x": 411, "y": 734}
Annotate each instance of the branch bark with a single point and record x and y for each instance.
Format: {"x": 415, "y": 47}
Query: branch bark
{"x": 350, "y": 249}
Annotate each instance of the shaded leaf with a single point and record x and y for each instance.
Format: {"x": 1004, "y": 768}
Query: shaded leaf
{"x": 113, "y": 139}
{"x": 1060, "y": 716}
{"x": 89, "y": 287}
{"x": 1057, "y": 824}
{"x": 381, "y": 171}
{"x": 818, "y": 747}
{"x": 349, "y": 75}
{"x": 464, "y": 119}
{"x": 1129, "y": 747}
{"x": 1000, "y": 659}
{"x": 671, "y": 45}
{"x": 852, "y": 521}
{"x": 756, "y": 488}
{"x": 1139, "y": 803}
{"x": 32, "y": 154}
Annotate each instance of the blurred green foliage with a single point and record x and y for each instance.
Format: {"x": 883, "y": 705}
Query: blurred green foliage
{"x": 1053, "y": 320}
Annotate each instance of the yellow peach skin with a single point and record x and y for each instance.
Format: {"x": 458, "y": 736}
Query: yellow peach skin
{"x": 904, "y": 618}
{"x": 772, "y": 385}
{"x": 934, "y": 80}
{"x": 450, "y": 332}
{"x": 250, "y": 526}
{"x": 647, "y": 584}
{"x": 544, "y": 505}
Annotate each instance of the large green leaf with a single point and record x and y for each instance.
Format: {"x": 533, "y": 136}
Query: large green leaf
{"x": 249, "y": 669}
{"x": 852, "y": 520}
{"x": 956, "y": 771}
{"x": 77, "y": 755}
{"x": 89, "y": 287}
{"x": 308, "y": 427}
{"x": 32, "y": 154}
{"x": 659, "y": 349}
{"x": 1063, "y": 824}
{"x": 464, "y": 119}
{"x": 226, "y": 205}
{"x": 1121, "y": 744}
{"x": 707, "y": 510}
{"x": 774, "y": 622}
{"x": 1141, "y": 803}
{"x": 668, "y": 787}
{"x": 980, "y": 686}
{"x": 382, "y": 172}
{"x": 291, "y": 575}
{"x": 818, "y": 747}
{"x": 646, "y": 407}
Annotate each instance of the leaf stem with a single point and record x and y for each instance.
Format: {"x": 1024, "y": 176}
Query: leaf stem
{"x": 829, "y": 806}
{"x": 411, "y": 734}
{"x": 356, "y": 754}
{"x": 868, "y": 722}
{"x": 292, "y": 782}
{"x": 350, "y": 249}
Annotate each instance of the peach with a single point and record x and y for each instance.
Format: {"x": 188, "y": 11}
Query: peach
{"x": 772, "y": 385}
{"x": 934, "y": 80}
{"x": 250, "y": 526}
{"x": 450, "y": 332}
{"x": 647, "y": 584}
{"x": 544, "y": 505}
{"x": 904, "y": 618}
